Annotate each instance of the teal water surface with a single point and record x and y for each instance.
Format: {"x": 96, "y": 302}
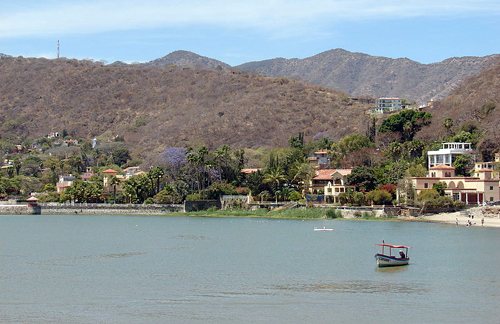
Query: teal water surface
{"x": 127, "y": 269}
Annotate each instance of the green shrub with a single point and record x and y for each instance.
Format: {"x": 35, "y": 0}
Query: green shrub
{"x": 193, "y": 197}
{"x": 333, "y": 213}
{"x": 379, "y": 197}
{"x": 49, "y": 197}
{"x": 295, "y": 196}
{"x": 149, "y": 201}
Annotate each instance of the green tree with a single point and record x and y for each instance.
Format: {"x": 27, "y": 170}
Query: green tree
{"x": 168, "y": 195}
{"x": 82, "y": 192}
{"x": 217, "y": 189}
{"x": 114, "y": 181}
{"x": 363, "y": 177}
{"x": 448, "y": 124}
{"x": 351, "y": 197}
{"x": 379, "y": 197}
{"x": 439, "y": 187}
{"x": 17, "y": 165}
{"x": 275, "y": 176}
{"x": 462, "y": 165}
{"x": 407, "y": 123}
{"x": 297, "y": 141}
{"x": 415, "y": 148}
{"x": 155, "y": 176}
{"x": 353, "y": 142}
{"x": 120, "y": 156}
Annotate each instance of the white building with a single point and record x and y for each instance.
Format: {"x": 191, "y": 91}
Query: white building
{"x": 387, "y": 105}
{"x": 448, "y": 154}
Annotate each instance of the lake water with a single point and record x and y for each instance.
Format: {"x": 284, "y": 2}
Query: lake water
{"x": 127, "y": 269}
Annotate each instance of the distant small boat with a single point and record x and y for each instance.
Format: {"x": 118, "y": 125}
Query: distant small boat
{"x": 324, "y": 229}
{"x": 390, "y": 260}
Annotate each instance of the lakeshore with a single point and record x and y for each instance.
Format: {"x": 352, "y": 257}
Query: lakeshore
{"x": 491, "y": 216}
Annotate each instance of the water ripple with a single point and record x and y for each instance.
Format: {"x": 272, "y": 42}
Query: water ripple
{"x": 358, "y": 286}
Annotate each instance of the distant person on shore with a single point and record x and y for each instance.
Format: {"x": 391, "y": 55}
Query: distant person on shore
{"x": 482, "y": 221}
{"x": 456, "y": 221}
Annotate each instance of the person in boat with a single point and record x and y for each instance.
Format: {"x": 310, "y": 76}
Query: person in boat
{"x": 401, "y": 254}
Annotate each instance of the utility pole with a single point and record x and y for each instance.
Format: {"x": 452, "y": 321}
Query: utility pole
{"x": 58, "y": 49}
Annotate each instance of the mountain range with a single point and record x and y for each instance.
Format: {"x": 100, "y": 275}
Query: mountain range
{"x": 357, "y": 74}
{"x": 158, "y": 105}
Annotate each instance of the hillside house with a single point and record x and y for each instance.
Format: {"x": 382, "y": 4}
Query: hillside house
{"x": 387, "y": 105}
{"x": 448, "y": 153}
{"x": 320, "y": 159}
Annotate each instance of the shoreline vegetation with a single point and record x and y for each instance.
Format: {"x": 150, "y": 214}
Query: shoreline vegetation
{"x": 476, "y": 215}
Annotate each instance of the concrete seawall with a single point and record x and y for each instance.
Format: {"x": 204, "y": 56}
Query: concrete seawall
{"x": 109, "y": 209}
{"x": 19, "y": 210}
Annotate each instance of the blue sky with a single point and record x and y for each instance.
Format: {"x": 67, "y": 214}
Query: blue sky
{"x": 237, "y": 31}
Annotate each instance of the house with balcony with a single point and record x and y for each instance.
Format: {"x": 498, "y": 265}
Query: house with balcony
{"x": 330, "y": 182}
{"x": 448, "y": 153}
{"x": 387, "y": 105}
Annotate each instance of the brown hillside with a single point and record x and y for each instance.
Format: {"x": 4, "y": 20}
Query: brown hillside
{"x": 477, "y": 101}
{"x": 154, "y": 108}
{"x": 187, "y": 59}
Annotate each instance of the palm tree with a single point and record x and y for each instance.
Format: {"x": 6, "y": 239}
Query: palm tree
{"x": 415, "y": 148}
{"x": 275, "y": 176}
{"x": 155, "y": 175}
{"x": 222, "y": 155}
{"x": 302, "y": 172}
{"x": 114, "y": 181}
{"x": 448, "y": 124}
{"x": 264, "y": 195}
{"x": 194, "y": 160}
{"x": 408, "y": 131}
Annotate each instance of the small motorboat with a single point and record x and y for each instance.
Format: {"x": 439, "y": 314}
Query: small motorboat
{"x": 390, "y": 259}
{"x": 324, "y": 229}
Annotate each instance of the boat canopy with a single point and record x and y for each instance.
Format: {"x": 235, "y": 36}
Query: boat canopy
{"x": 395, "y": 246}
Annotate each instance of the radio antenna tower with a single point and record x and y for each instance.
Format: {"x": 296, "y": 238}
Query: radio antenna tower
{"x": 58, "y": 49}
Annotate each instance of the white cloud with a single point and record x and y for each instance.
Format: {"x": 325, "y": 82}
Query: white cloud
{"x": 273, "y": 17}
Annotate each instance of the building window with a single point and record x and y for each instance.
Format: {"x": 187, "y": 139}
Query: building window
{"x": 491, "y": 198}
{"x": 426, "y": 185}
{"x": 491, "y": 187}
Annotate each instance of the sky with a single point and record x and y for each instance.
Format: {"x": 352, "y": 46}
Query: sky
{"x": 236, "y": 32}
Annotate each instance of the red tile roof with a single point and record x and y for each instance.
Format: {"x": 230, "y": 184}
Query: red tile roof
{"x": 327, "y": 174}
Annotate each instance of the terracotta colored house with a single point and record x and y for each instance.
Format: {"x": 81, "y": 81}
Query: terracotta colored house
{"x": 331, "y": 182}
{"x": 470, "y": 190}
